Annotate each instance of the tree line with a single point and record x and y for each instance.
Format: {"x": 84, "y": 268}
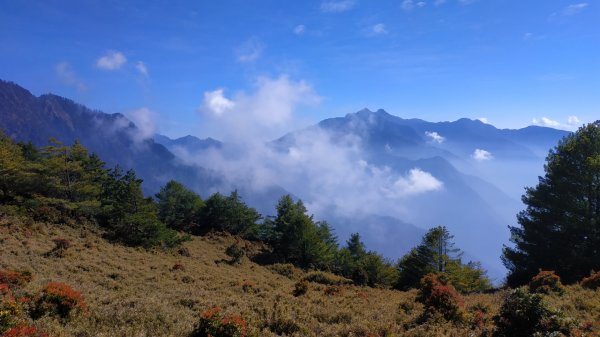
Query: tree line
{"x": 67, "y": 184}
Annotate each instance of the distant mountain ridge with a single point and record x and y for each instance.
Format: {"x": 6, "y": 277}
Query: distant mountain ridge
{"x": 112, "y": 136}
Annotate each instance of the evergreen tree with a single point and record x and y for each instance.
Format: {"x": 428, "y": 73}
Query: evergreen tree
{"x": 11, "y": 169}
{"x": 230, "y": 214}
{"x": 297, "y": 239}
{"x": 560, "y": 228}
{"x": 179, "y": 208}
{"x": 437, "y": 254}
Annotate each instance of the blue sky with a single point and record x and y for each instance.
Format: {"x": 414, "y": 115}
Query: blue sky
{"x": 511, "y": 62}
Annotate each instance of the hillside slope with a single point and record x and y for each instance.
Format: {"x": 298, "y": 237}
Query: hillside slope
{"x": 134, "y": 292}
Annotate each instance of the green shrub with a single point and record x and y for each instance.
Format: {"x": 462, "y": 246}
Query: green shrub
{"x": 300, "y": 288}
{"x": 592, "y": 281}
{"x": 236, "y": 253}
{"x": 524, "y": 314}
{"x": 546, "y": 282}
{"x": 285, "y": 269}
{"x": 326, "y": 278}
{"x": 213, "y": 324}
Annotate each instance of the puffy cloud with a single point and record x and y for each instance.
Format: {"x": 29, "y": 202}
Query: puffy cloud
{"x": 415, "y": 182}
{"x": 269, "y": 109}
{"x": 66, "y": 74}
{"x": 379, "y": 29}
{"x": 573, "y": 120}
{"x": 113, "y": 60}
{"x": 299, "y": 29}
{"x": 436, "y": 137}
{"x": 142, "y": 69}
{"x": 574, "y": 9}
{"x": 337, "y": 6}
{"x": 481, "y": 155}
{"x": 216, "y": 103}
{"x": 545, "y": 121}
{"x": 250, "y": 51}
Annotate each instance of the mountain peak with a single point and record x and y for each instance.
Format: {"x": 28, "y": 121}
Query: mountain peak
{"x": 367, "y": 112}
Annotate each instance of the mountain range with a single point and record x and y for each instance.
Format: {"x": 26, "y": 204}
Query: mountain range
{"x": 387, "y": 177}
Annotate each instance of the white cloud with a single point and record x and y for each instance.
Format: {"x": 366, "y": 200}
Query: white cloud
{"x": 216, "y": 103}
{"x": 574, "y": 9}
{"x": 571, "y": 124}
{"x": 113, "y": 60}
{"x": 527, "y": 36}
{"x": 408, "y": 5}
{"x": 145, "y": 121}
{"x": 436, "y": 137}
{"x": 416, "y": 182}
{"x": 481, "y": 155}
{"x": 142, "y": 68}
{"x": 250, "y": 51}
{"x": 573, "y": 120}
{"x": 379, "y": 29}
{"x": 269, "y": 109}
{"x": 299, "y": 29}
{"x": 545, "y": 121}
{"x": 337, "y": 6}
{"x": 483, "y": 120}
{"x": 439, "y": 2}
{"x": 66, "y": 74}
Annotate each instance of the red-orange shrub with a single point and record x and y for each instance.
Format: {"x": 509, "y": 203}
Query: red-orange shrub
{"x": 546, "y": 282}
{"x": 24, "y": 331}
{"x": 333, "y": 290}
{"x": 177, "y": 266}
{"x": 438, "y": 295}
{"x": 213, "y": 324}
{"x": 60, "y": 299}
{"x": 592, "y": 281}
{"x": 15, "y": 279}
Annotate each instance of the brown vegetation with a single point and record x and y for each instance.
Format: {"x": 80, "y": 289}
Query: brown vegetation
{"x": 134, "y": 292}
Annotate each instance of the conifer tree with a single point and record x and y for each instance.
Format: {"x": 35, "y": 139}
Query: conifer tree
{"x": 560, "y": 228}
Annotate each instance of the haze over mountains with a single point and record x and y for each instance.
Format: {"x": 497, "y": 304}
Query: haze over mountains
{"x": 386, "y": 177}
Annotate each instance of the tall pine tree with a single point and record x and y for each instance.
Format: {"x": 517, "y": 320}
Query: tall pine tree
{"x": 560, "y": 228}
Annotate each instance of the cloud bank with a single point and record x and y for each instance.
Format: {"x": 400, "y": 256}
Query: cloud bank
{"x": 327, "y": 171}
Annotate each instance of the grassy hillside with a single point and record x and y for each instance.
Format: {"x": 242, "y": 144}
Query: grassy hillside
{"x": 137, "y": 292}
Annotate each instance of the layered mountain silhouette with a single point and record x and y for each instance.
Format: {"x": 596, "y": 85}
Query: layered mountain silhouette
{"x": 481, "y": 170}
{"x": 25, "y": 117}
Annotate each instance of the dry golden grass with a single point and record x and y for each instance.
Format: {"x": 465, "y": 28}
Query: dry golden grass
{"x": 135, "y": 292}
